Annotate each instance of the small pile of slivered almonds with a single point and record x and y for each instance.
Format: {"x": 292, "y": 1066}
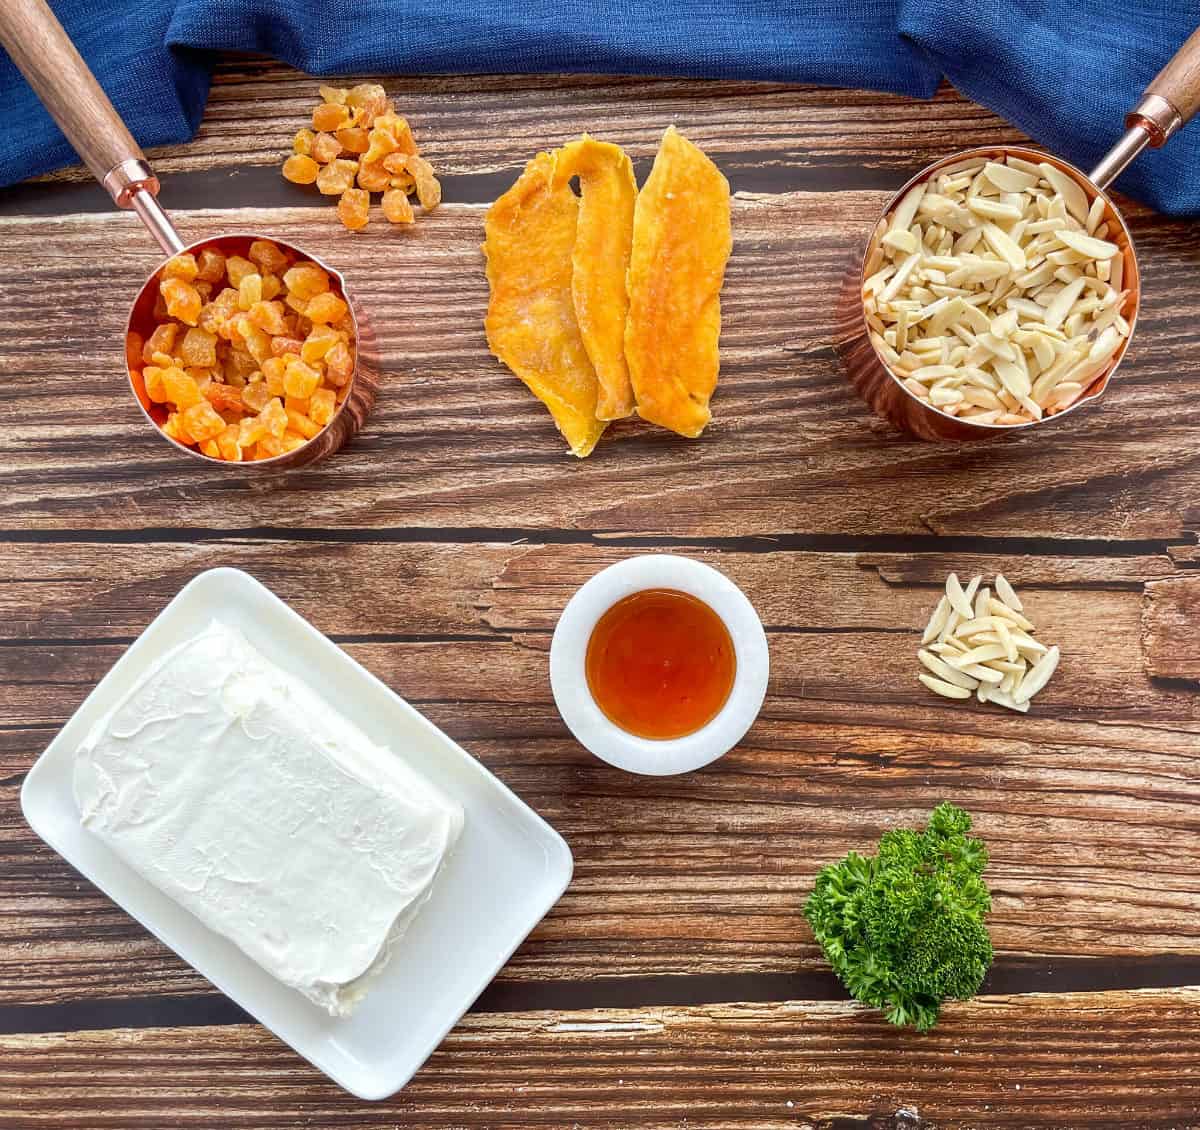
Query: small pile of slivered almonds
{"x": 975, "y": 641}
{"x": 358, "y": 139}
{"x": 993, "y": 293}
{"x": 608, "y": 303}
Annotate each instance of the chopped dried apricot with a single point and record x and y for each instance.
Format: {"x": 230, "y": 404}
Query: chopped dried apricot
{"x": 302, "y": 143}
{"x": 293, "y": 440}
{"x": 296, "y": 404}
{"x": 201, "y": 421}
{"x": 274, "y": 417}
{"x": 300, "y": 379}
{"x": 334, "y": 94}
{"x": 327, "y": 307}
{"x": 400, "y": 130}
{"x": 269, "y": 446}
{"x": 255, "y": 395}
{"x": 339, "y": 364}
{"x": 318, "y": 343}
{"x": 373, "y": 176}
{"x": 268, "y": 316}
{"x": 354, "y": 209}
{"x": 321, "y": 405}
{"x": 326, "y": 148}
{"x": 174, "y": 428}
{"x": 396, "y": 163}
{"x": 300, "y": 169}
{"x": 354, "y": 139}
{"x": 152, "y": 378}
{"x": 429, "y": 189}
{"x": 396, "y": 207}
{"x": 181, "y": 266}
{"x": 329, "y": 116}
{"x": 162, "y": 340}
{"x": 227, "y": 444}
{"x": 199, "y": 348}
{"x": 382, "y": 143}
{"x": 268, "y": 257}
{"x": 272, "y": 286}
{"x": 223, "y": 397}
{"x": 181, "y": 389}
{"x": 250, "y": 290}
{"x": 182, "y": 299}
{"x": 305, "y": 280}
{"x": 237, "y": 268}
{"x": 298, "y": 422}
{"x": 336, "y": 177}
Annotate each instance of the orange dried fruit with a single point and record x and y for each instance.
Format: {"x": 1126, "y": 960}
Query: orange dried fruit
{"x": 322, "y": 405}
{"x": 298, "y": 422}
{"x": 255, "y": 395}
{"x": 354, "y": 209}
{"x": 181, "y": 390}
{"x": 268, "y": 316}
{"x": 227, "y": 444}
{"x": 237, "y": 267}
{"x": 325, "y": 148}
{"x": 181, "y": 266}
{"x": 224, "y": 398}
{"x": 336, "y": 177}
{"x": 182, "y": 300}
{"x": 162, "y": 340}
{"x": 268, "y": 257}
{"x": 329, "y": 116}
{"x": 396, "y": 207}
{"x": 429, "y": 189}
{"x": 152, "y": 379}
{"x": 530, "y": 323}
{"x": 318, "y": 343}
{"x": 250, "y": 431}
{"x": 274, "y": 417}
{"x": 373, "y": 176}
{"x": 326, "y": 307}
{"x": 339, "y": 364}
{"x": 212, "y": 265}
{"x": 382, "y": 143}
{"x": 300, "y": 169}
{"x": 199, "y": 348}
{"x": 396, "y": 163}
{"x": 174, "y": 428}
{"x": 305, "y": 280}
{"x": 249, "y": 290}
{"x": 334, "y": 94}
{"x": 302, "y": 143}
{"x": 354, "y": 139}
{"x": 603, "y": 238}
{"x": 202, "y": 421}
{"x": 300, "y": 380}
{"x": 681, "y": 242}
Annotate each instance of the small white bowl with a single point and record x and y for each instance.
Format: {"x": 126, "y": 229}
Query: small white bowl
{"x": 568, "y": 674}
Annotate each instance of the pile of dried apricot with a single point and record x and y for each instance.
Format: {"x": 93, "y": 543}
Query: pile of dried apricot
{"x": 359, "y": 145}
{"x": 249, "y": 357}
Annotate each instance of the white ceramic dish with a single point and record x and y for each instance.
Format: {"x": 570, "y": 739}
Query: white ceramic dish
{"x": 508, "y": 869}
{"x": 568, "y": 654}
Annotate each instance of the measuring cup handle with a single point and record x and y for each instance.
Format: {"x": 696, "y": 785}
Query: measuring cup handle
{"x": 45, "y": 55}
{"x": 1172, "y": 97}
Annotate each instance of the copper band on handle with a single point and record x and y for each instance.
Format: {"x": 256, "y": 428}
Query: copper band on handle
{"x": 123, "y": 180}
{"x": 1158, "y": 117}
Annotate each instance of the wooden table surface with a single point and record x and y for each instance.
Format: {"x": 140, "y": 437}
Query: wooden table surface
{"x": 677, "y": 983}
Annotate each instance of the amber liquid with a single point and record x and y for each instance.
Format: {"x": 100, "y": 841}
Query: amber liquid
{"x": 660, "y": 664}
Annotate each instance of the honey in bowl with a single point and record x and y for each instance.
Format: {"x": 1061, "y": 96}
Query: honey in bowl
{"x": 660, "y": 664}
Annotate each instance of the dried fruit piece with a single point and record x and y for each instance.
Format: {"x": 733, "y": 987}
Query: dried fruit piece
{"x": 326, "y": 307}
{"x": 305, "y": 280}
{"x": 300, "y": 169}
{"x": 302, "y": 143}
{"x": 322, "y": 405}
{"x": 396, "y": 207}
{"x": 354, "y": 209}
{"x": 181, "y": 266}
{"x": 329, "y": 116}
{"x": 681, "y": 242}
{"x": 603, "y": 239}
{"x": 530, "y": 323}
{"x": 373, "y": 177}
{"x": 325, "y": 148}
{"x": 429, "y": 189}
{"x": 268, "y": 257}
{"x": 354, "y": 139}
{"x": 237, "y": 267}
{"x": 182, "y": 299}
{"x": 199, "y": 348}
{"x": 336, "y": 177}
{"x": 212, "y": 265}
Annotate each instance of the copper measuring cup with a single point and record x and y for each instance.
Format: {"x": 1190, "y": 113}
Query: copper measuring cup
{"x": 47, "y": 58}
{"x": 1167, "y": 104}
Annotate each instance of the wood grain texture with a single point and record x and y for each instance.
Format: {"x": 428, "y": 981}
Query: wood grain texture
{"x": 1113, "y": 1060}
{"x": 1171, "y": 629}
{"x": 438, "y": 550}
{"x": 1079, "y": 801}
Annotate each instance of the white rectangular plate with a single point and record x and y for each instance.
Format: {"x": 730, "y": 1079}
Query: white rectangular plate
{"x": 508, "y": 869}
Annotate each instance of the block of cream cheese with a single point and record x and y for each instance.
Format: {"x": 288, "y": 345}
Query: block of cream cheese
{"x": 241, "y": 793}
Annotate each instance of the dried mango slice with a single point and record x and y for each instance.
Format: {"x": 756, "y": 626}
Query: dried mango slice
{"x": 530, "y": 323}
{"x": 603, "y": 238}
{"x": 681, "y": 241}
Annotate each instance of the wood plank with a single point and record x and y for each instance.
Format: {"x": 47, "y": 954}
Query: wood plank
{"x": 1108, "y": 1060}
{"x": 456, "y": 440}
{"x": 1080, "y": 801}
{"x": 1170, "y": 635}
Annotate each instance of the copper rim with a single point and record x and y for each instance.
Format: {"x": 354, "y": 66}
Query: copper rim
{"x": 351, "y": 413}
{"x": 874, "y": 380}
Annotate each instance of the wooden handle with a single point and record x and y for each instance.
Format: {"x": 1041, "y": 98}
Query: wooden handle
{"x": 1178, "y": 86}
{"x": 45, "y": 55}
